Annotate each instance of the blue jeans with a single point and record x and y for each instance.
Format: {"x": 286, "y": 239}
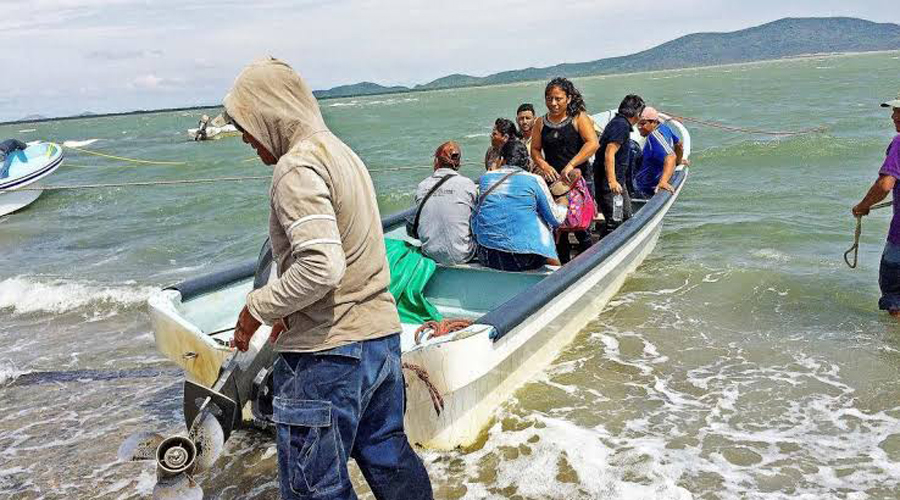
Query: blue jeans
{"x": 889, "y": 278}
{"x": 505, "y": 261}
{"x": 346, "y": 402}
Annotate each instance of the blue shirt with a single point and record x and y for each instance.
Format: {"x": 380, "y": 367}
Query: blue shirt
{"x": 518, "y": 216}
{"x": 660, "y": 144}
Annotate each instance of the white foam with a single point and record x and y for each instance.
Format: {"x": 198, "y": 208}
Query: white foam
{"x": 27, "y": 295}
{"x": 474, "y": 136}
{"x": 79, "y": 144}
{"x": 9, "y": 373}
{"x": 27, "y": 130}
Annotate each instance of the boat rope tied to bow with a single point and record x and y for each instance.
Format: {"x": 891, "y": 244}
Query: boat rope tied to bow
{"x": 730, "y": 128}
{"x": 436, "y": 400}
{"x": 122, "y": 158}
{"x": 855, "y": 248}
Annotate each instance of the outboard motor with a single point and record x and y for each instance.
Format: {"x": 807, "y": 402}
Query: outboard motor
{"x": 211, "y": 413}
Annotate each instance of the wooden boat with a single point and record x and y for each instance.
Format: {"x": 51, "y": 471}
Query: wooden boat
{"x": 25, "y": 168}
{"x": 521, "y": 321}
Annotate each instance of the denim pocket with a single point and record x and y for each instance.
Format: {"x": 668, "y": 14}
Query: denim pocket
{"x": 305, "y": 430}
{"x": 335, "y": 365}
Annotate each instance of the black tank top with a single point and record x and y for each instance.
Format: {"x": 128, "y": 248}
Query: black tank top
{"x": 561, "y": 142}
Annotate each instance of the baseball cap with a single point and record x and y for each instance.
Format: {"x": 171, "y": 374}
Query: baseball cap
{"x": 892, "y": 104}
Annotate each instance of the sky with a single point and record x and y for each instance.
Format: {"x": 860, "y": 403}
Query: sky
{"x": 65, "y": 57}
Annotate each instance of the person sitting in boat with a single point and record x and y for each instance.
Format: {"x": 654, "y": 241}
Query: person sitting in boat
{"x": 6, "y": 147}
{"x": 201, "y": 128}
{"x": 504, "y": 130}
{"x": 662, "y": 152}
{"x": 612, "y": 161}
{"x": 889, "y": 272}
{"x": 563, "y": 140}
{"x": 445, "y": 201}
{"x": 515, "y": 216}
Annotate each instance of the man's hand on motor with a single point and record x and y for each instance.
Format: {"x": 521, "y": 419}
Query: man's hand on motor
{"x": 277, "y": 329}
{"x": 244, "y": 329}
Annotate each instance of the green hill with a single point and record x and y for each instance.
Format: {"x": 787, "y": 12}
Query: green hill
{"x": 357, "y": 89}
{"x": 783, "y": 38}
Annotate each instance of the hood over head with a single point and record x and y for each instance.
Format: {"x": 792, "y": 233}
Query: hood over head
{"x": 273, "y": 104}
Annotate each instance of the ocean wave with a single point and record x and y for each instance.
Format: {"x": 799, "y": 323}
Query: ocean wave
{"x": 26, "y": 295}
{"x": 27, "y": 130}
{"x": 481, "y": 134}
{"x": 79, "y": 144}
{"x": 9, "y": 373}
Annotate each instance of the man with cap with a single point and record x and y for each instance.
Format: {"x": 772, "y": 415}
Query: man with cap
{"x": 445, "y": 201}
{"x": 889, "y": 273}
{"x": 338, "y": 381}
{"x": 663, "y": 151}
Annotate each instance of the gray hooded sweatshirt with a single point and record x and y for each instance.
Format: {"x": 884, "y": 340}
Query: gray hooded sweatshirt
{"x": 324, "y": 222}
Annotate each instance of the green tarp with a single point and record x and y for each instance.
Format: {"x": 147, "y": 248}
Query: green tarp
{"x": 410, "y": 272}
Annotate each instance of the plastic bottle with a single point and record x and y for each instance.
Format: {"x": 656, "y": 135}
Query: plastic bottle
{"x": 618, "y": 207}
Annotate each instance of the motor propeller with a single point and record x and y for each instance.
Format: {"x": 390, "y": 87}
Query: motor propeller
{"x": 211, "y": 413}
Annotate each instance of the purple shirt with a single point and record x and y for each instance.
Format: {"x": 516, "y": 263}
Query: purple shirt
{"x": 892, "y": 167}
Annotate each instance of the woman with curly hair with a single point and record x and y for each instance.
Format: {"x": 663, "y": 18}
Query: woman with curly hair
{"x": 562, "y": 141}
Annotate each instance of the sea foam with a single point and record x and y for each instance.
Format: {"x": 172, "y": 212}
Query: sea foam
{"x": 79, "y": 144}
{"x": 28, "y": 295}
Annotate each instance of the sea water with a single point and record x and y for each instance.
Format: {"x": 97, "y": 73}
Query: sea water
{"x": 741, "y": 360}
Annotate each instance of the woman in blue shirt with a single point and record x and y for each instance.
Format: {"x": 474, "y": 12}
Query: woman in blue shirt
{"x": 515, "y": 216}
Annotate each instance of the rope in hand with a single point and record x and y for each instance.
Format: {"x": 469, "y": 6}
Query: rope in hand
{"x": 145, "y": 183}
{"x": 122, "y": 158}
{"x": 855, "y": 248}
{"x": 722, "y": 126}
{"x": 436, "y": 400}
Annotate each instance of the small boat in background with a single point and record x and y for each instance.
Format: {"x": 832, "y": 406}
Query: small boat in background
{"x": 215, "y": 128}
{"x": 26, "y": 167}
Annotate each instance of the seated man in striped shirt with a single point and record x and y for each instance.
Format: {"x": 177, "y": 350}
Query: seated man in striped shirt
{"x": 662, "y": 153}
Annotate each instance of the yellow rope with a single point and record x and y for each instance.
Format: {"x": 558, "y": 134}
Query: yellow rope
{"x": 131, "y": 160}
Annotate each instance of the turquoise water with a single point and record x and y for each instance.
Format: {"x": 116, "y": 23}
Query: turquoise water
{"x": 742, "y": 360}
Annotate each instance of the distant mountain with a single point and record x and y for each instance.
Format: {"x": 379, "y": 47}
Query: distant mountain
{"x": 357, "y": 89}
{"x": 779, "y": 39}
{"x": 32, "y": 118}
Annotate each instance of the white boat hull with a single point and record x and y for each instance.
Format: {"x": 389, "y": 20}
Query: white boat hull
{"x": 474, "y": 370}
{"x": 10, "y": 201}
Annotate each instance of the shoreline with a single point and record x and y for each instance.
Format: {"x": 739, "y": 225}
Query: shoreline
{"x": 799, "y": 57}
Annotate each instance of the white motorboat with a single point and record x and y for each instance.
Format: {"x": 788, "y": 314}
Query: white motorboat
{"x": 520, "y": 322}
{"x": 25, "y": 168}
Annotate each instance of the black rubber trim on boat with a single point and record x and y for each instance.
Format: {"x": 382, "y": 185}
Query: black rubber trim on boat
{"x": 212, "y": 282}
{"x": 512, "y": 312}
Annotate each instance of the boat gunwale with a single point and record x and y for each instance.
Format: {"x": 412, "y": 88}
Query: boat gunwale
{"x": 505, "y": 317}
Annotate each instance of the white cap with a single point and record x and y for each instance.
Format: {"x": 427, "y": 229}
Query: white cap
{"x": 892, "y": 104}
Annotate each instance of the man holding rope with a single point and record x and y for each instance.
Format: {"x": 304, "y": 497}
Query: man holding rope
{"x": 889, "y": 273}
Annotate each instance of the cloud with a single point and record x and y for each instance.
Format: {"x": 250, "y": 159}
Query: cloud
{"x": 127, "y": 51}
{"x": 153, "y": 82}
{"x": 122, "y": 55}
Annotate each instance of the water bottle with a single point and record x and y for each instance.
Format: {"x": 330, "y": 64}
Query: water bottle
{"x": 618, "y": 207}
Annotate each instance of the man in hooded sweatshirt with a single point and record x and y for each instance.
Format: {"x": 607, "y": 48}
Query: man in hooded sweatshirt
{"x": 339, "y": 390}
